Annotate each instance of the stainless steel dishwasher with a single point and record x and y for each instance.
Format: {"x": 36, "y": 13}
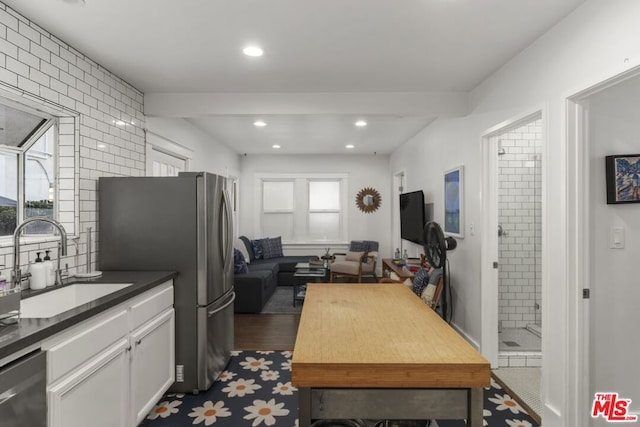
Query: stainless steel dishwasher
{"x": 23, "y": 399}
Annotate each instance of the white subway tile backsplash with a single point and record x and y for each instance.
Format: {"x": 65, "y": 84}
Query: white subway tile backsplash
{"x": 17, "y": 39}
{"x": 45, "y": 67}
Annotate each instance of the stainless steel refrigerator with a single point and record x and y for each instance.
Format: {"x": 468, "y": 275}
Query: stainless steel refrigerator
{"x": 184, "y": 224}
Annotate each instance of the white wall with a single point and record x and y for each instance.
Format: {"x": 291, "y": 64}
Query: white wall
{"x": 37, "y": 65}
{"x": 363, "y": 171}
{"x": 207, "y": 154}
{"x": 594, "y": 43}
{"x": 614, "y": 346}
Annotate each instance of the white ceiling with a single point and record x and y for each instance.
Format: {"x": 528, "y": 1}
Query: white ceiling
{"x": 311, "y": 47}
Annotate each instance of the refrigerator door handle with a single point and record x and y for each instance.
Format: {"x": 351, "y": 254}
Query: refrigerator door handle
{"x": 226, "y": 245}
{"x": 219, "y": 309}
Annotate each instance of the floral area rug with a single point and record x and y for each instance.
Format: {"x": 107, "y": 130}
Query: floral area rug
{"x": 255, "y": 390}
{"x": 500, "y": 410}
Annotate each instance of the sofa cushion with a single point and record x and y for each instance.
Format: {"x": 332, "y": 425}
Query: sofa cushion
{"x": 239, "y": 264}
{"x": 265, "y": 265}
{"x": 239, "y": 245}
{"x": 257, "y": 248}
{"x": 288, "y": 263}
{"x": 272, "y": 247}
{"x": 253, "y": 290}
{"x": 346, "y": 267}
{"x": 354, "y": 256}
{"x": 249, "y": 246}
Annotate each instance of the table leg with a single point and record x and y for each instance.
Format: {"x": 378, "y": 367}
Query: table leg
{"x": 295, "y": 291}
{"x": 304, "y": 407}
{"x": 476, "y": 407}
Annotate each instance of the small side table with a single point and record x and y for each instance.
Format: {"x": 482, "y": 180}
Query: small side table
{"x": 304, "y": 274}
{"x": 388, "y": 265}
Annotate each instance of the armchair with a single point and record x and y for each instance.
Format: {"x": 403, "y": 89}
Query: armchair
{"x": 359, "y": 262}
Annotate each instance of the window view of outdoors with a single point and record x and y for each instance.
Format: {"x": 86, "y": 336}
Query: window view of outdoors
{"x": 27, "y": 157}
{"x": 8, "y": 191}
{"x": 39, "y": 182}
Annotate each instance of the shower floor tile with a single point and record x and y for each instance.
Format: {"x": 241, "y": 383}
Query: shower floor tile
{"x": 518, "y": 339}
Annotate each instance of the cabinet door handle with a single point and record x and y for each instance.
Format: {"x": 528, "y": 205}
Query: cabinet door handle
{"x": 129, "y": 348}
{"x": 138, "y": 341}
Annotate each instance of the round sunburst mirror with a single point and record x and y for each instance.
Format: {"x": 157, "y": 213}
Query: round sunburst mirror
{"x": 368, "y": 200}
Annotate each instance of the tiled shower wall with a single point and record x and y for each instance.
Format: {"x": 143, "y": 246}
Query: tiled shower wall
{"x": 105, "y": 139}
{"x": 520, "y": 217}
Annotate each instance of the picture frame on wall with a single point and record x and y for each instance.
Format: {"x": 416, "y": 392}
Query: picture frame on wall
{"x": 454, "y": 202}
{"x": 623, "y": 178}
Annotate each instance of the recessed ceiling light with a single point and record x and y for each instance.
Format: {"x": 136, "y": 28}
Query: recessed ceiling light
{"x": 252, "y": 51}
{"x": 361, "y": 123}
{"x": 349, "y": 146}
{"x": 259, "y": 123}
{"x": 275, "y": 146}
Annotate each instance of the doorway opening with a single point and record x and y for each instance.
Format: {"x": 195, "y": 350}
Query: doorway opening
{"x": 512, "y": 254}
{"x": 519, "y": 238}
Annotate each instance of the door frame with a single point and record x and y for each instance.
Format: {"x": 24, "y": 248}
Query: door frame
{"x": 579, "y": 242}
{"x": 489, "y": 275}
{"x": 398, "y": 186}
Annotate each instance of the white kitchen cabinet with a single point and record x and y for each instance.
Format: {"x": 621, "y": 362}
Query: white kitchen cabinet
{"x": 152, "y": 363}
{"x": 111, "y": 369}
{"x": 95, "y": 395}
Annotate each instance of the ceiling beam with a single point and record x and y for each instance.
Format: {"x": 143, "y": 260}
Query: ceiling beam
{"x": 440, "y": 104}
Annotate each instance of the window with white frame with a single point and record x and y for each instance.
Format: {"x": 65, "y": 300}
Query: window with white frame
{"x": 166, "y": 157}
{"x": 303, "y": 209}
{"x": 164, "y": 164}
{"x": 27, "y": 169}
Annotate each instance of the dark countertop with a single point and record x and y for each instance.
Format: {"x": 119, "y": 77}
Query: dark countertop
{"x": 27, "y": 332}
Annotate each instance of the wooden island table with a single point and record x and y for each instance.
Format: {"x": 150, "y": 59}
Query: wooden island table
{"x": 376, "y": 351}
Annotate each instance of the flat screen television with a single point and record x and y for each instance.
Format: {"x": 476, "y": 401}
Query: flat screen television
{"x": 412, "y": 216}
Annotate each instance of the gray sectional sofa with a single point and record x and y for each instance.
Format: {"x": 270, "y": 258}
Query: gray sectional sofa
{"x": 253, "y": 289}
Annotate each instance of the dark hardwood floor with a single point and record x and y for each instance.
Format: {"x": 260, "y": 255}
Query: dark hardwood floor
{"x": 265, "y": 331}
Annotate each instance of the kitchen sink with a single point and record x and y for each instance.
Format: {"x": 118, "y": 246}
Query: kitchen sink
{"x": 58, "y": 301}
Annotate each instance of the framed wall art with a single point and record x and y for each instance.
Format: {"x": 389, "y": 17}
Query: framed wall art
{"x": 623, "y": 178}
{"x": 454, "y": 202}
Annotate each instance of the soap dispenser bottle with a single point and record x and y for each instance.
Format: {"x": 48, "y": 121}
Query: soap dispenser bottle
{"x": 51, "y": 272}
{"x": 38, "y": 274}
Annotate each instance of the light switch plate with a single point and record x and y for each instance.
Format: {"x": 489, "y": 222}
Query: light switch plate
{"x": 616, "y": 238}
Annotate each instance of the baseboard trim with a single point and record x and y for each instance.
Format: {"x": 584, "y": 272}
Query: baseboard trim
{"x": 464, "y": 335}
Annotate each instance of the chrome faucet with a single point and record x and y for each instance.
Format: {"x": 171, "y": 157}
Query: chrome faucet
{"x": 17, "y": 272}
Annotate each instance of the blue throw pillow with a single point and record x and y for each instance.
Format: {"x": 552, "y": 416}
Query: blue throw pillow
{"x": 239, "y": 263}
{"x": 272, "y": 248}
{"x": 257, "y": 248}
{"x": 358, "y": 246}
{"x": 420, "y": 281}
{"x": 249, "y": 246}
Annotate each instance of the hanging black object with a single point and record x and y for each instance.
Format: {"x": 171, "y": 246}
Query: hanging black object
{"x": 436, "y": 246}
